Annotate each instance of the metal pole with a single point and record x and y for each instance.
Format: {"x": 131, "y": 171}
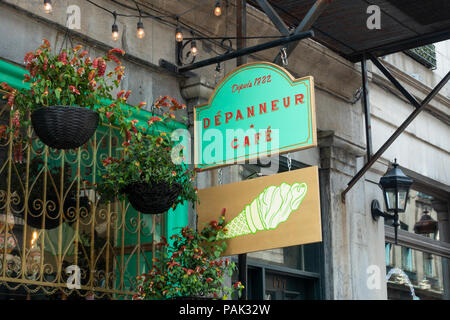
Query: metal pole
{"x": 313, "y": 14}
{"x": 241, "y": 30}
{"x": 245, "y": 51}
{"x": 241, "y": 24}
{"x": 395, "y": 135}
{"x": 366, "y": 104}
{"x": 273, "y": 16}
{"x": 394, "y": 81}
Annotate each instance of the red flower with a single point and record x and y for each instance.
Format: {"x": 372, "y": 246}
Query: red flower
{"x": 159, "y": 140}
{"x": 119, "y": 95}
{"x": 189, "y": 272}
{"x": 116, "y": 50}
{"x": 63, "y": 57}
{"x": 91, "y": 75}
{"x": 92, "y": 84}
{"x": 128, "y": 133}
{"x": 213, "y": 224}
{"x": 127, "y": 94}
{"x": 28, "y": 57}
{"x": 46, "y": 44}
{"x": 101, "y": 67}
{"x": 95, "y": 63}
{"x": 114, "y": 58}
{"x": 141, "y": 104}
{"x": 83, "y": 54}
{"x": 172, "y": 264}
{"x": 74, "y": 90}
{"x": 209, "y": 280}
{"x": 153, "y": 119}
{"x": 44, "y": 67}
{"x": 73, "y": 61}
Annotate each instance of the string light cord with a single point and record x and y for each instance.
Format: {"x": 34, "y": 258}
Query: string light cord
{"x": 159, "y": 18}
{"x": 176, "y": 22}
{"x": 141, "y": 14}
{"x": 148, "y": 15}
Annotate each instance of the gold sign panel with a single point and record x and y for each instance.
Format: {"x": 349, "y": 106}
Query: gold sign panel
{"x": 265, "y": 213}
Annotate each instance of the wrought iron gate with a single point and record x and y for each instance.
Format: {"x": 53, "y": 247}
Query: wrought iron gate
{"x": 54, "y": 229}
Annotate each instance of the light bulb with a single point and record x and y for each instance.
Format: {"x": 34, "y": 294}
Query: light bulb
{"x": 194, "y": 49}
{"x": 140, "y": 30}
{"x": 115, "y": 32}
{"x": 179, "y": 35}
{"x": 217, "y": 9}
{"x": 48, "y": 6}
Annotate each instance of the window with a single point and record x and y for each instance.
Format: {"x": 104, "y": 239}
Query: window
{"x": 388, "y": 253}
{"x": 425, "y": 55}
{"x": 428, "y": 265}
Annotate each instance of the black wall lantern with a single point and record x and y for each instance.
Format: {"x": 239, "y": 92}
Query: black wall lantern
{"x": 395, "y": 185}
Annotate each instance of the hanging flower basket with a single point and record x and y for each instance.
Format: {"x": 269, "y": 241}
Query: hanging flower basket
{"x": 63, "y": 90}
{"x": 64, "y": 127}
{"x": 153, "y": 198}
{"x": 150, "y": 172}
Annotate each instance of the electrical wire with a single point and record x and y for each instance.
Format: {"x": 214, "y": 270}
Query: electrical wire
{"x": 162, "y": 18}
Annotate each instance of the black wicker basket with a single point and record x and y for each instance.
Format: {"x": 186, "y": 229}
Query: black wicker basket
{"x": 152, "y": 198}
{"x": 64, "y": 127}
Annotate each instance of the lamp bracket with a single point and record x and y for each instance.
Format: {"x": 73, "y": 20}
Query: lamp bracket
{"x": 377, "y": 212}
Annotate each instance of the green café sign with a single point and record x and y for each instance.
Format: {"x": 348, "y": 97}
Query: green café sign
{"x": 257, "y": 110}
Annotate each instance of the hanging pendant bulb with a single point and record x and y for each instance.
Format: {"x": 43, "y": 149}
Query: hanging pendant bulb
{"x": 179, "y": 35}
{"x": 194, "y": 49}
{"x": 115, "y": 32}
{"x": 217, "y": 9}
{"x": 140, "y": 30}
{"x": 48, "y": 6}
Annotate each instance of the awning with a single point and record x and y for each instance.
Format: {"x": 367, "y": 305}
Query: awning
{"x": 342, "y": 26}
